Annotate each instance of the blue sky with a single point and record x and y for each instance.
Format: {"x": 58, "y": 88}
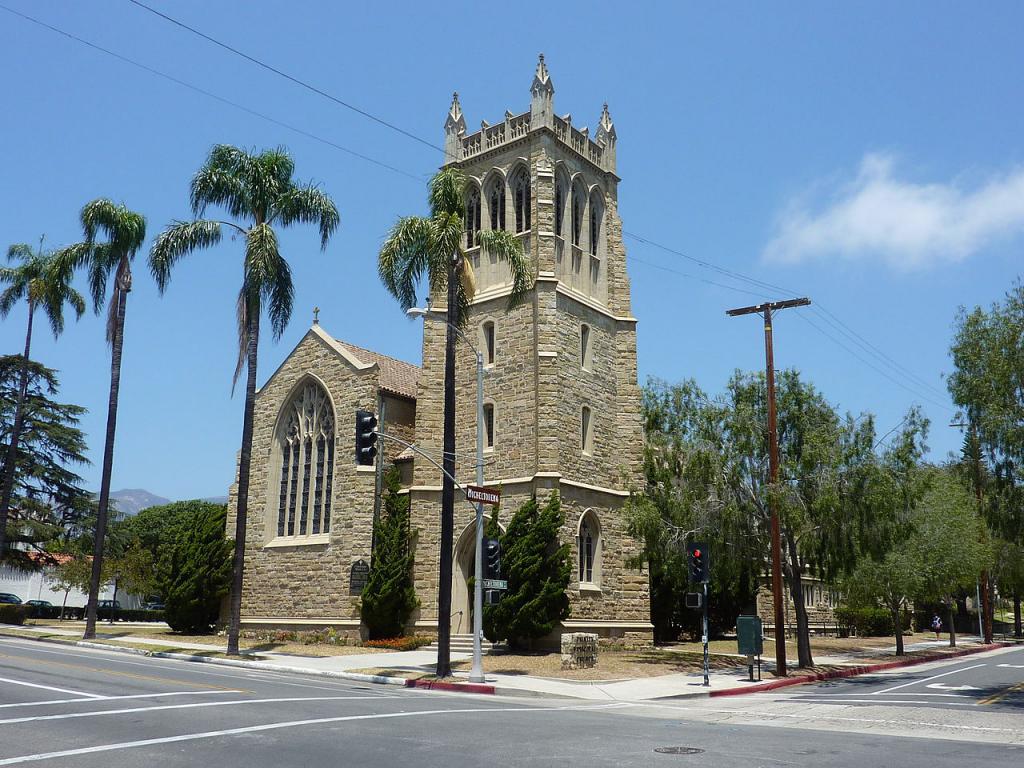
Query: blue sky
{"x": 867, "y": 155}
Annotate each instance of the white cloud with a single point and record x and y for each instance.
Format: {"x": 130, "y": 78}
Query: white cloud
{"x": 905, "y": 224}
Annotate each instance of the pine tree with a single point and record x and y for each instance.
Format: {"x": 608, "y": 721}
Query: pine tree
{"x": 537, "y": 569}
{"x": 389, "y": 597}
{"x": 199, "y": 572}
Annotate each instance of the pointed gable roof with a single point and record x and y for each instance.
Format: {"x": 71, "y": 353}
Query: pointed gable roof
{"x": 396, "y": 377}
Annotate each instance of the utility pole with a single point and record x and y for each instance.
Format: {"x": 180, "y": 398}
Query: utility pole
{"x": 766, "y": 310}
{"x": 984, "y": 604}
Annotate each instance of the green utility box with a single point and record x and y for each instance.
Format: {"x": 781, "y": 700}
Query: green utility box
{"x": 749, "y": 636}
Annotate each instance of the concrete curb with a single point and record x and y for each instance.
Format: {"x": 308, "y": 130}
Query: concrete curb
{"x": 852, "y": 671}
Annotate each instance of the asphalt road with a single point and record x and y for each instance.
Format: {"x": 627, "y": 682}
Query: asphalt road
{"x": 78, "y": 707}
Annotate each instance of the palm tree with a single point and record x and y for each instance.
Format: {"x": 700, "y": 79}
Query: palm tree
{"x": 125, "y": 232}
{"x": 40, "y": 281}
{"x": 432, "y": 247}
{"x": 258, "y": 192}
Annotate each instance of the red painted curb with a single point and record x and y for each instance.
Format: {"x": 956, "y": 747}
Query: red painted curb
{"x": 440, "y": 685}
{"x": 851, "y": 671}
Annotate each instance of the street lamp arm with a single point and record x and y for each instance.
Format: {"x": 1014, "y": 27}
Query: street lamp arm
{"x": 434, "y": 315}
{"x": 415, "y": 449}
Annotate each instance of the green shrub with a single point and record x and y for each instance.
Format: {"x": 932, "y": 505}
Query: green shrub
{"x": 199, "y": 572}
{"x": 389, "y": 597}
{"x": 13, "y": 614}
{"x": 870, "y": 621}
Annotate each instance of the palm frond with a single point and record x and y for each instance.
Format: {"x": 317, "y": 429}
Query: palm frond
{"x": 10, "y": 297}
{"x": 101, "y": 263}
{"x": 309, "y": 205}
{"x": 20, "y": 252}
{"x": 242, "y": 309}
{"x": 175, "y": 242}
{"x": 57, "y": 291}
{"x": 404, "y": 258}
{"x": 509, "y": 249}
{"x": 268, "y": 276}
{"x": 447, "y": 192}
{"x": 213, "y": 185}
{"x": 125, "y": 229}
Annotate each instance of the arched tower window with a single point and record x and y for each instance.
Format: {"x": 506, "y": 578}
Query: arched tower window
{"x": 586, "y": 430}
{"x": 595, "y": 222}
{"x": 560, "y": 187}
{"x": 488, "y": 425}
{"x": 589, "y": 570}
{"x": 584, "y": 346}
{"x": 496, "y": 202}
{"x": 521, "y": 198}
{"x": 306, "y": 446}
{"x": 472, "y": 215}
{"x": 487, "y": 331}
{"x": 579, "y": 202}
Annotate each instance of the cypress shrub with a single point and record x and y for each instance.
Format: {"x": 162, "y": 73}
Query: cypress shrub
{"x": 199, "y": 572}
{"x": 389, "y": 597}
{"x": 538, "y": 571}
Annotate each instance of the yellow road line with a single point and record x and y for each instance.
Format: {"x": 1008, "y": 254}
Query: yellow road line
{"x": 1003, "y": 694}
{"x": 118, "y": 673}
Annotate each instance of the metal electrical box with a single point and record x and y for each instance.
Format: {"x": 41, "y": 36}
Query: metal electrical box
{"x": 749, "y": 635}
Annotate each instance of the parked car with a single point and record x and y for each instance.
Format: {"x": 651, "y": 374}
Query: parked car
{"x": 154, "y": 605}
{"x": 40, "y": 603}
{"x": 7, "y": 597}
{"x": 108, "y": 604}
{"x": 38, "y": 609}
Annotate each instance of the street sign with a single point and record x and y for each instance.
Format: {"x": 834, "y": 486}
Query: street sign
{"x": 495, "y": 583}
{"x": 483, "y": 495}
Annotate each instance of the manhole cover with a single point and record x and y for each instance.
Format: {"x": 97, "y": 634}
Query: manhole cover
{"x": 678, "y": 750}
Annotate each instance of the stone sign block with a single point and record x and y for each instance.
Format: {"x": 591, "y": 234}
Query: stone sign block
{"x": 579, "y": 650}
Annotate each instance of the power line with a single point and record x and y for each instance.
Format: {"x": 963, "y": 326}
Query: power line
{"x": 209, "y": 94}
{"x": 286, "y": 76}
{"x": 637, "y": 259}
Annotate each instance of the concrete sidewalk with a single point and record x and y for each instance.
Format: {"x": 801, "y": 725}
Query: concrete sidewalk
{"x": 396, "y": 664}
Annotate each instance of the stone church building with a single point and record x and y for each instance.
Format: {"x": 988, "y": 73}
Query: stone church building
{"x": 562, "y": 402}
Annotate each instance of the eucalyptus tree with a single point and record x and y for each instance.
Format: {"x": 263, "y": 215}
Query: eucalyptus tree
{"x": 431, "y": 248}
{"x": 113, "y": 235}
{"x": 39, "y": 280}
{"x": 258, "y": 193}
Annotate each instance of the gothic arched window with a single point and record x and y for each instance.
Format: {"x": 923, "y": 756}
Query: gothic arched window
{"x": 306, "y": 446}
{"x": 589, "y": 570}
{"x": 560, "y": 187}
{"x": 472, "y": 216}
{"x": 521, "y": 198}
{"x": 496, "y": 202}
{"x": 579, "y": 201}
{"x": 595, "y": 223}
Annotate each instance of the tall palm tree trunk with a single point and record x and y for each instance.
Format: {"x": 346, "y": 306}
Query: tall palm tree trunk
{"x": 244, "y": 462}
{"x": 444, "y": 588}
{"x": 108, "y": 463}
{"x": 11, "y": 461}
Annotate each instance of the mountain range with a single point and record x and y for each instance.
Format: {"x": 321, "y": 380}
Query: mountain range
{"x": 130, "y": 501}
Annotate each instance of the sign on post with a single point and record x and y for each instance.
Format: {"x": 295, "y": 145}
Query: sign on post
{"x": 495, "y": 584}
{"x": 483, "y": 495}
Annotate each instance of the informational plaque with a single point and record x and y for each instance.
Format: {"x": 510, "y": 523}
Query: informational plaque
{"x": 357, "y": 579}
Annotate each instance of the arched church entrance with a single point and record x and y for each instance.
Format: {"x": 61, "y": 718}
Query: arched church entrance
{"x": 462, "y": 595}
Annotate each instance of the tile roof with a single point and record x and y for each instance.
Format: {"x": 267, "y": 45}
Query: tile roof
{"x": 396, "y": 376}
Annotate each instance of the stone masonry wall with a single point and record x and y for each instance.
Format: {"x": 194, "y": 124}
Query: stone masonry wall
{"x": 293, "y": 578}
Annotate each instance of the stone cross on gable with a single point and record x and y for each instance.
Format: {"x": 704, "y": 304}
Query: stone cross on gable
{"x": 316, "y": 315}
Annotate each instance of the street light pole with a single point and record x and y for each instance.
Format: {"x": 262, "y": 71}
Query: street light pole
{"x": 476, "y": 674}
{"x": 766, "y": 310}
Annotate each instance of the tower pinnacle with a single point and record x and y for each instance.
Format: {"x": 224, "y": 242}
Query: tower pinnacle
{"x": 454, "y": 130}
{"x": 542, "y": 91}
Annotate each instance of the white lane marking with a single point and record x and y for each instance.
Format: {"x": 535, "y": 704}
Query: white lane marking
{"x": 944, "y": 687}
{"x": 185, "y": 666}
{"x": 925, "y": 680}
{"x": 114, "y": 698}
{"x": 857, "y": 695}
{"x": 288, "y": 724}
{"x": 1011, "y": 666}
{"x": 886, "y": 701}
{"x": 874, "y": 721}
{"x": 103, "y": 712}
{"x": 50, "y": 688}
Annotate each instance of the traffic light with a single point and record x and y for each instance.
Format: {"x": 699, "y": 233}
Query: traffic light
{"x": 697, "y": 555}
{"x": 492, "y": 559}
{"x": 366, "y": 438}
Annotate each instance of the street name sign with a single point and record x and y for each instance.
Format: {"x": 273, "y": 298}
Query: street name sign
{"x": 482, "y": 495}
{"x": 495, "y": 583}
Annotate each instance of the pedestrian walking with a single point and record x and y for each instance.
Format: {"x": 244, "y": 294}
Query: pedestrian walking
{"x": 936, "y": 625}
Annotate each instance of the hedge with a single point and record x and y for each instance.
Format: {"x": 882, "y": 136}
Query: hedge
{"x": 77, "y": 612}
{"x": 870, "y": 622}
{"x": 13, "y": 614}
